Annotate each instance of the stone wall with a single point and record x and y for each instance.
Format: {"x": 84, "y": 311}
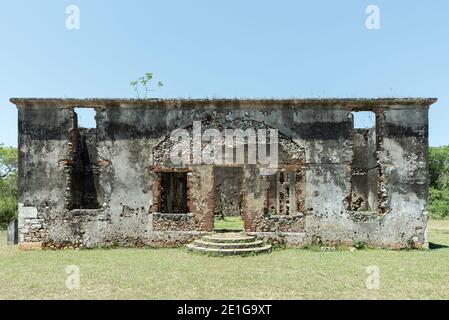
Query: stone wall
{"x": 317, "y": 144}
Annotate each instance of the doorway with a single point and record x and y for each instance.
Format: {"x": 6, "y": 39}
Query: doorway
{"x": 174, "y": 192}
{"x": 228, "y": 195}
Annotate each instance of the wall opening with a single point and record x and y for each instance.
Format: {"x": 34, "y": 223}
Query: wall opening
{"x": 228, "y": 198}
{"x": 364, "y": 119}
{"x": 174, "y": 192}
{"x": 364, "y": 168}
{"x": 86, "y": 118}
{"x": 84, "y": 149}
{"x": 281, "y": 194}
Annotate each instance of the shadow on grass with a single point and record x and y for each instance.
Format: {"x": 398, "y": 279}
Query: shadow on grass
{"x": 436, "y": 246}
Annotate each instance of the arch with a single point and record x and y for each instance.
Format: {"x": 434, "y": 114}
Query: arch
{"x": 289, "y": 152}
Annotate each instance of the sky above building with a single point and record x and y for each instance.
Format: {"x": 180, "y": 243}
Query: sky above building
{"x": 226, "y": 49}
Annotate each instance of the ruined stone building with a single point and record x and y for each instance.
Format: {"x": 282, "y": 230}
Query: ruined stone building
{"x": 116, "y": 183}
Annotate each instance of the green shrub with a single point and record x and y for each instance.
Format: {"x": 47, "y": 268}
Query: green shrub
{"x": 439, "y": 203}
{"x": 8, "y": 184}
{"x": 8, "y": 200}
{"x": 439, "y": 182}
{"x": 7, "y": 213}
{"x": 439, "y": 167}
{"x": 360, "y": 245}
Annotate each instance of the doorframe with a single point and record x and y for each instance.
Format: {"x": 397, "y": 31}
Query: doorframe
{"x": 244, "y": 191}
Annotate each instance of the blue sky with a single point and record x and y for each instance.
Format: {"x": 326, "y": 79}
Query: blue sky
{"x": 232, "y": 48}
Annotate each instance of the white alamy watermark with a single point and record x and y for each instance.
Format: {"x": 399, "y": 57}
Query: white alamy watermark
{"x": 372, "y": 282}
{"x": 372, "y": 22}
{"x": 72, "y": 21}
{"x": 72, "y": 282}
{"x": 216, "y": 147}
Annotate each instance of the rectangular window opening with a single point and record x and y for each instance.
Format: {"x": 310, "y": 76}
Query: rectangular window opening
{"x": 174, "y": 192}
{"x": 364, "y": 169}
{"x": 84, "y": 179}
{"x": 281, "y": 193}
{"x": 86, "y": 118}
{"x": 364, "y": 119}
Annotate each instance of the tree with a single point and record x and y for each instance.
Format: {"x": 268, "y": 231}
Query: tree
{"x": 439, "y": 182}
{"x": 8, "y": 161}
{"x": 439, "y": 167}
{"x": 8, "y": 184}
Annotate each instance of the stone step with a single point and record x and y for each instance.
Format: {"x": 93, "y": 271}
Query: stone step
{"x": 229, "y": 238}
{"x": 228, "y": 245}
{"x": 228, "y": 252}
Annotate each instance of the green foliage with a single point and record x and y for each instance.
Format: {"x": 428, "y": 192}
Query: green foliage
{"x": 229, "y": 223}
{"x": 439, "y": 182}
{"x": 360, "y": 245}
{"x": 8, "y": 185}
{"x": 439, "y": 167}
{"x": 439, "y": 203}
{"x": 144, "y": 82}
{"x": 8, "y": 200}
{"x": 8, "y": 161}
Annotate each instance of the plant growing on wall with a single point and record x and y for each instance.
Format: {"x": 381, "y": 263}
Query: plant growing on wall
{"x": 144, "y": 84}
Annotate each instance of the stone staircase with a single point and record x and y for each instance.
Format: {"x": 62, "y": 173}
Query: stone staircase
{"x": 229, "y": 244}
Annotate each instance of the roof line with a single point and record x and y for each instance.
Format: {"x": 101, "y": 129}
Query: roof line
{"x": 196, "y": 103}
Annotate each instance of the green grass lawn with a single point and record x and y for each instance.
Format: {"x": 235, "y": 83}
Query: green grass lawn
{"x": 176, "y": 274}
{"x": 229, "y": 223}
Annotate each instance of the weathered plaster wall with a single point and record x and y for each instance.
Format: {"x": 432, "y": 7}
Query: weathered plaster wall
{"x": 128, "y": 133}
{"x": 43, "y": 152}
{"x": 401, "y": 220}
